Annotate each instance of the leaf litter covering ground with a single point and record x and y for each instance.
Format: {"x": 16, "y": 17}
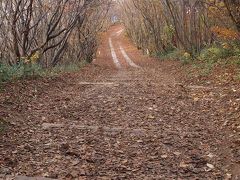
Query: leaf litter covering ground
{"x": 147, "y": 123}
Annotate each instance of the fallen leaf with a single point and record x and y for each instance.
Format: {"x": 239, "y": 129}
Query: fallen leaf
{"x": 164, "y": 156}
{"x": 177, "y": 153}
{"x": 76, "y": 162}
{"x": 183, "y": 165}
{"x": 210, "y": 166}
{"x": 210, "y": 155}
{"x": 124, "y": 161}
{"x": 195, "y": 99}
{"x": 74, "y": 173}
{"x": 151, "y": 117}
{"x": 228, "y": 176}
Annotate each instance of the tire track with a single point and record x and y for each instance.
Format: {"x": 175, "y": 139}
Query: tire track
{"x": 127, "y": 58}
{"x": 114, "y": 55}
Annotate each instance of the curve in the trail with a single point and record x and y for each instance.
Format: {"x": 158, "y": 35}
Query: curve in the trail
{"x": 116, "y": 61}
{"x": 119, "y": 32}
{"x": 114, "y": 55}
{"x": 127, "y": 58}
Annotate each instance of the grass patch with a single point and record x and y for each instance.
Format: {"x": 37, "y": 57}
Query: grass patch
{"x": 9, "y": 73}
{"x": 223, "y": 54}
{"x": 176, "y": 54}
{"x": 173, "y": 54}
{"x": 63, "y": 69}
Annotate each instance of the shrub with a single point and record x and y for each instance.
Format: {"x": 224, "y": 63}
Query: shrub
{"x": 170, "y": 54}
{"x": 215, "y": 53}
{"x": 24, "y": 70}
{"x": 31, "y": 70}
{"x": 236, "y": 49}
{"x": 66, "y": 68}
{"x": 19, "y": 70}
{"x": 223, "y": 54}
{"x": 186, "y": 58}
{"x": 8, "y": 72}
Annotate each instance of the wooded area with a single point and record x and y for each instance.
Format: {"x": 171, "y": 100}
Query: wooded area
{"x": 120, "y": 89}
{"x": 159, "y": 27}
{"x": 49, "y": 32}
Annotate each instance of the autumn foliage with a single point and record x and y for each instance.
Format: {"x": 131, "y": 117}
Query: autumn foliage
{"x": 189, "y": 26}
{"x": 225, "y": 33}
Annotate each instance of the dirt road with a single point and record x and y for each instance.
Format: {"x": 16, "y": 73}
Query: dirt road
{"x": 126, "y": 116}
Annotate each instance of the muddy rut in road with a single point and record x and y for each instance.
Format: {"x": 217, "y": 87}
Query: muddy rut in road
{"x": 123, "y": 117}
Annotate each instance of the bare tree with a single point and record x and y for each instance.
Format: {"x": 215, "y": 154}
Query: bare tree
{"x": 160, "y": 26}
{"x": 47, "y": 31}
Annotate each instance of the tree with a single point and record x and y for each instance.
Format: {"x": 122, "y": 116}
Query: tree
{"x": 163, "y": 25}
{"x": 49, "y": 31}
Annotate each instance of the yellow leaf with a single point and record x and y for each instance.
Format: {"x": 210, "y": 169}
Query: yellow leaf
{"x": 195, "y": 99}
{"x": 151, "y": 117}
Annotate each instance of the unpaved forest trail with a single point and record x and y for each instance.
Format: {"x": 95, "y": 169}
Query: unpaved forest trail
{"x": 123, "y": 117}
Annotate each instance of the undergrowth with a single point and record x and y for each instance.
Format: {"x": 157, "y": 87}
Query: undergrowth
{"x": 224, "y": 54}
{"x": 170, "y": 54}
{"x": 218, "y": 54}
{"x": 18, "y": 71}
